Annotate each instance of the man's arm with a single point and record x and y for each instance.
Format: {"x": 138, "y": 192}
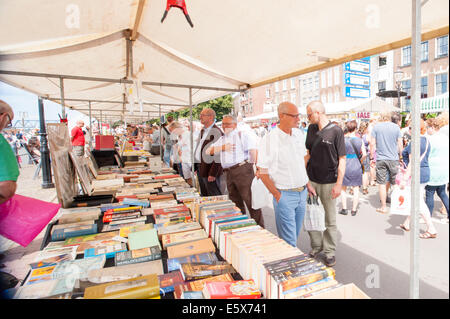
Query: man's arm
{"x": 400, "y": 146}
{"x": 337, "y": 188}
{"x": 310, "y": 188}
{"x": 265, "y": 178}
{"x": 7, "y": 190}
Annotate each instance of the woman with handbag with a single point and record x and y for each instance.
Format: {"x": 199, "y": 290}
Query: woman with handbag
{"x": 425, "y": 148}
{"x": 356, "y": 153}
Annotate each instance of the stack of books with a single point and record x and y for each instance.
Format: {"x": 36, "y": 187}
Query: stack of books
{"x": 75, "y": 222}
{"x": 116, "y": 218}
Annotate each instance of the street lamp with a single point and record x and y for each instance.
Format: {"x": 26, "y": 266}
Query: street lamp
{"x": 398, "y": 75}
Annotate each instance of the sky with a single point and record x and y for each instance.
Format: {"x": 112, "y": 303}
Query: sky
{"x": 25, "y": 105}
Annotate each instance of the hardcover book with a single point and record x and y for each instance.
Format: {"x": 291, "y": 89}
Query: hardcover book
{"x": 240, "y": 289}
{"x": 205, "y": 258}
{"x": 198, "y": 285}
{"x": 195, "y": 271}
{"x": 109, "y": 274}
{"x": 143, "y": 239}
{"x": 143, "y": 287}
{"x": 136, "y": 202}
{"x": 184, "y": 237}
{"x": 167, "y": 282}
{"x": 109, "y": 251}
{"x": 192, "y": 248}
{"x": 137, "y": 256}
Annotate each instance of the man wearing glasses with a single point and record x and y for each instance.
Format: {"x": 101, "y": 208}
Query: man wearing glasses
{"x": 9, "y": 169}
{"x": 326, "y": 169}
{"x": 208, "y": 167}
{"x": 281, "y": 167}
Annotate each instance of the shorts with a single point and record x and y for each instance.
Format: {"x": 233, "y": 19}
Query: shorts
{"x": 386, "y": 171}
{"x": 366, "y": 165}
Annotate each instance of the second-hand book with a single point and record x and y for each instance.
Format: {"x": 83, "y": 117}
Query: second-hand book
{"x": 192, "y": 248}
{"x": 143, "y": 239}
{"x": 240, "y": 289}
{"x": 64, "y": 233}
{"x": 109, "y": 274}
{"x": 167, "y": 282}
{"x": 109, "y": 250}
{"x": 198, "y": 285}
{"x": 125, "y": 231}
{"x": 47, "y": 258}
{"x": 184, "y": 237}
{"x": 205, "y": 258}
{"x": 137, "y": 256}
{"x": 178, "y": 228}
{"x": 143, "y": 287}
{"x": 195, "y": 271}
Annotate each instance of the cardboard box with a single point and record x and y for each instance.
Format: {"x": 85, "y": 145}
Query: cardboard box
{"x": 349, "y": 291}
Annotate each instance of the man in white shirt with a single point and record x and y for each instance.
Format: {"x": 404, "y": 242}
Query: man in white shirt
{"x": 238, "y": 153}
{"x": 281, "y": 167}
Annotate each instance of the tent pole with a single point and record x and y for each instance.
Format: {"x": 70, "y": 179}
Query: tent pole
{"x": 63, "y": 106}
{"x": 160, "y": 142}
{"x": 90, "y": 127}
{"x": 191, "y": 136}
{"x": 415, "y": 150}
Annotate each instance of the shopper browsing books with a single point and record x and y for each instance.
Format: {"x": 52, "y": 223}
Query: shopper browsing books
{"x": 326, "y": 169}
{"x": 281, "y": 159}
{"x": 238, "y": 153}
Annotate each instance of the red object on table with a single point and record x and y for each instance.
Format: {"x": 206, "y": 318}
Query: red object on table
{"x": 104, "y": 142}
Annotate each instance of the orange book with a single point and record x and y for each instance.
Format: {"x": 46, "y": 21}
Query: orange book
{"x": 192, "y": 248}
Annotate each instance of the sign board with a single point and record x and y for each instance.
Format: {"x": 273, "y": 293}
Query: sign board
{"x": 357, "y": 92}
{"x": 357, "y": 79}
{"x": 358, "y": 66}
{"x": 363, "y": 115}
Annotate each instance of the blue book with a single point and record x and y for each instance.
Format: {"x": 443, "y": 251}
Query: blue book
{"x": 109, "y": 250}
{"x": 64, "y": 233}
{"x": 136, "y": 202}
{"x": 106, "y": 207}
{"x": 206, "y": 258}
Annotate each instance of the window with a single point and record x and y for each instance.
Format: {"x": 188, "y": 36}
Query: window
{"x": 336, "y": 75}
{"x": 337, "y": 96}
{"x": 406, "y": 55}
{"x": 276, "y": 87}
{"x": 268, "y": 93}
{"x": 381, "y": 86}
{"x": 277, "y": 100}
{"x": 316, "y": 82}
{"x": 285, "y": 98}
{"x": 293, "y": 83}
{"x": 382, "y": 60}
{"x": 293, "y": 98}
{"x": 324, "y": 79}
{"x": 424, "y": 87}
{"x": 406, "y": 87}
{"x": 424, "y": 52}
{"x": 442, "y": 46}
{"x": 441, "y": 83}
{"x": 284, "y": 85}
{"x": 324, "y": 98}
{"x": 330, "y": 77}
{"x": 330, "y": 97}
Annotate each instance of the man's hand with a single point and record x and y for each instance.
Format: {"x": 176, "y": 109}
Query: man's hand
{"x": 277, "y": 196}
{"x": 311, "y": 189}
{"x": 336, "y": 191}
{"x": 228, "y": 147}
{"x": 211, "y": 179}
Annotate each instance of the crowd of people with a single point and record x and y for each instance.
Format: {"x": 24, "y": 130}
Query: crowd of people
{"x": 333, "y": 161}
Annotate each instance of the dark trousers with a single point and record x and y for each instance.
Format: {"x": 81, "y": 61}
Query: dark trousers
{"x": 239, "y": 183}
{"x": 429, "y": 196}
{"x": 209, "y": 188}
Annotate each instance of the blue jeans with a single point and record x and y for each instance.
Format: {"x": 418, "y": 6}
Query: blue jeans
{"x": 289, "y": 214}
{"x": 429, "y": 196}
{"x": 167, "y": 154}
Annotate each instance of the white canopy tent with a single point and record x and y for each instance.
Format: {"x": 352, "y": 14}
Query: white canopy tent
{"x": 86, "y": 54}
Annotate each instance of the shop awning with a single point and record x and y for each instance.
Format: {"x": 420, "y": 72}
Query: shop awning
{"x": 233, "y": 45}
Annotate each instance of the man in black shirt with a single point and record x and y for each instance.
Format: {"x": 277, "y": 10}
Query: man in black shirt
{"x": 325, "y": 166}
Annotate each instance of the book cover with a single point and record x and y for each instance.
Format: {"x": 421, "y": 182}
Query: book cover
{"x": 165, "y": 211}
{"x": 167, "y": 282}
{"x": 308, "y": 289}
{"x": 45, "y": 289}
{"x": 225, "y": 220}
{"x": 127, "y": 221}
{"x": 78, "y": 217}
{"x": 178, "y": 228}
{"x": 125, "y": 231}
{"x": 64, "y": 233}
{"x": 109, "y": 274}
{"x": 108, "y": 227}
{"x": 232, "y": 225}
{"x": 123, "y": 208}
{"x": 83, "y": 223}
{"x": 40, "y": 275}
{"x": 143, "y": 239}
{"x": 198, "y": 285}
{"x": 173, "y": 220}
{"x": 137, "y": 256}
{"x": 109, "y": 251}
{"x": 121, "y": 216}
{"x": 143, "y": 287}
{"x": 195, "y": 271}
{"x": 78, "y": 268}
{"x": 205, "y": 258}
{"x": 192, "y": 295}
{"x": 224, "y": 234}
{"x": 183, "y": 237}
{"x": 89, "y": 238}
{"x": 192, "y": 248}
{"x": 210, "y": 222}
{"x": 164, "y": 204}
{"x": 239, "y": 289}
{"x": 136, "y": 202}
{"x": 50, "y": 257}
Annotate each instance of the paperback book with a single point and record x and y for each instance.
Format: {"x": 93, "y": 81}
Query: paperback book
{"x": 240, "y": 289}
{"x": 195, "y": 271}
{"x": 183, "y": 237}
{"x": 174, "y": 264}
{"x": 137, "y": 256}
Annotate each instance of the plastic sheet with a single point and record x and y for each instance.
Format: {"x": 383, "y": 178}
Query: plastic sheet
{"x": 23, "y": 218}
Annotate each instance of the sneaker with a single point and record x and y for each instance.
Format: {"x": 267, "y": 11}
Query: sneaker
{"x": 388, "y": 200}
{"x": 330, "y": 261}
{"x": 343, "y": 212}
{"x": 313, "y": 253}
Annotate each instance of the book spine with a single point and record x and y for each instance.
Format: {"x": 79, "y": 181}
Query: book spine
{"x": 307, "y": 279}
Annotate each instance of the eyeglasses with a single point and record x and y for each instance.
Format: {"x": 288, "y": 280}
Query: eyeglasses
{"x": 9, "y": 120}
{"x": 293, "y": 115}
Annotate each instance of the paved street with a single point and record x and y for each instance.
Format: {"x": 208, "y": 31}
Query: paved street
{"x": 372, "y": 251}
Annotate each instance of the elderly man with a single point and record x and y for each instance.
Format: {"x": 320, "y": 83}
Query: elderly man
{"x": 77, "y": 139}
{"x": 208, "y": 167}
{"x": 9, "y": 169}
{"x": 281, "y": 167}
{"x": 326, "y": 162}
{"x": 238, "y": 153}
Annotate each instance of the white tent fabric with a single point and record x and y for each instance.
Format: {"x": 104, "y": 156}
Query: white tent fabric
{"x": 233, "y": 44}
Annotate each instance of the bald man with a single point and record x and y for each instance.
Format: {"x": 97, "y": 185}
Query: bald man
{"x": 78, "y": 139}
{"x": 281, "y": 167}
{"x": 9, "y": 168}
{"x": 325, "y": 164}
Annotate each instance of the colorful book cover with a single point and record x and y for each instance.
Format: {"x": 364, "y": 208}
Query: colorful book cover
{"x": 51, "y": 257}
{"x": 137, "y": 256}
{"x": 128, "y": 221}
{"x": 240, "y": 289}
{"x": 192, "y": 295}
{"x": 122, "y": 216}
{"x": 192, "y": 248}
{"x": 89, "y": 238}
{"x": 64, "y": 233}
{"x": 178, "y": 228}
{"x": 107, "y": 228}
{"x": 108, "y": 274}
{"x": 176, "y": 209}
{"x": 143, "y": 239}
{"x": 198, "y": 285}
{"x": 205, "y": 258}
{"x": 195, "y": 271}
{"x": 167, "y": 282}
{"x": 78, "y": 268}
{"x": 125, "y": 231}
{"x": 183, "y": 237}
{"x": 109, "y": 251}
